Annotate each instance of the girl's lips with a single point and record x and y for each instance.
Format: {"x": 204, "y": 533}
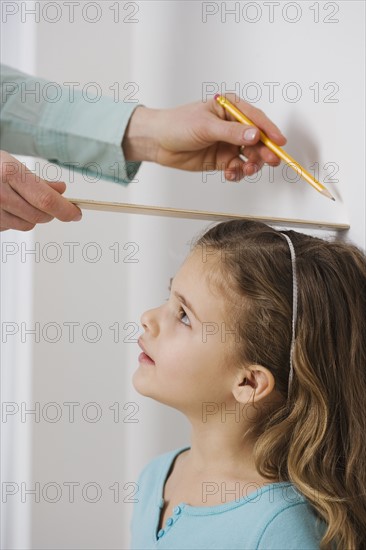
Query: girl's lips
{"x": 143, "y": 358}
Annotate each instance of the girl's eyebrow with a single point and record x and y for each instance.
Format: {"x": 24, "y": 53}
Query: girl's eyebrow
{"x": 183, "y": 300}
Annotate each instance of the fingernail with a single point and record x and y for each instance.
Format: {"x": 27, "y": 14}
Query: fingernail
{"x": 250, "y": 134}
{"x": 231, "y": 176}
{"x": 77, "y": 217}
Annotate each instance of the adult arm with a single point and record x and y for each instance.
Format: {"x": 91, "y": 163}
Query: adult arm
{"x": 66, "y": 126}
{"x": 42, "y": 119}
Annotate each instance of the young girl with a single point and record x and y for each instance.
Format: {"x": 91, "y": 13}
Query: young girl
{"x": 262, "y": 345}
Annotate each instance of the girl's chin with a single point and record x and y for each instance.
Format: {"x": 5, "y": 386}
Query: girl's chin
{"x": 144, "y": 387}
{"x": 141, "y": 383}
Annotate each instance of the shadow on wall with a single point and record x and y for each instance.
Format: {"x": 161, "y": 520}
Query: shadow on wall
{"x": 301, "y": 142}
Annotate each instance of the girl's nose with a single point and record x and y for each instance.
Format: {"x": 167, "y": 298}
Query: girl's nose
{"x": 149, "y": 321}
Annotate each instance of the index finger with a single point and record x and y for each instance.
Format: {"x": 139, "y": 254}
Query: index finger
{"x": 39, "y": 194}
{"x": 259, "y": 119}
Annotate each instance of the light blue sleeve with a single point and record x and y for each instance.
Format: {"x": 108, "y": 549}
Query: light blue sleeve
{"x": 64, "y": 125}
{"x": 293, "y": 527}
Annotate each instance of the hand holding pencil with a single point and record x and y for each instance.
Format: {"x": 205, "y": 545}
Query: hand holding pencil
{"x": 200, "y": 137}
{"x": 238, "y": 115}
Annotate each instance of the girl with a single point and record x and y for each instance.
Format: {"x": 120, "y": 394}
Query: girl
{"x": 262, "y": 345}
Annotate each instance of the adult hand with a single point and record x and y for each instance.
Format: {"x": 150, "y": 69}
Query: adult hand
{"x": 202, "y": 137}
{"x": 26, "y": 200}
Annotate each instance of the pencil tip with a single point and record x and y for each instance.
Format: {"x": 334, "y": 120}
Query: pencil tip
{"x": 326, "y": 193}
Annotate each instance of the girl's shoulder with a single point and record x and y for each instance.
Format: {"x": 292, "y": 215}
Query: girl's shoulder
{"x": 291, "y": 523}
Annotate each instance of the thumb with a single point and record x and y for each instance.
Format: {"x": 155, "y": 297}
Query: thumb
{"x": 234, "y": 133}
{"x": 58, "y": 186}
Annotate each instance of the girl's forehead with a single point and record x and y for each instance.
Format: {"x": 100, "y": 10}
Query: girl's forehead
{"x": 197, "y": 267}
{"x": 202, "y": 282}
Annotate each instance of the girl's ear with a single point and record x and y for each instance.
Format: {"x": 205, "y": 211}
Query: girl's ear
{"x": 253, "y": 384}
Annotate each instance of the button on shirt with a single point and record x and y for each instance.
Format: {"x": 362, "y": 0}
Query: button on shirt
{"x": 273, "y": 517}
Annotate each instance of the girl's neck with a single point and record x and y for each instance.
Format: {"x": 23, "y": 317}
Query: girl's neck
{"x": 220, "y": 450}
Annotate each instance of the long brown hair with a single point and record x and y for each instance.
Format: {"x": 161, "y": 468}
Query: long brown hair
{"x": 316, "y": 437}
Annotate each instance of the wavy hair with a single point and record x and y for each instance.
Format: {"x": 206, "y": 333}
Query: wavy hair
{"x": 315, "y": 438}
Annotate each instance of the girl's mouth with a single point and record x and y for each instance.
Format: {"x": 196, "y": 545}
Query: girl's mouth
{"x": 143, "y": 358}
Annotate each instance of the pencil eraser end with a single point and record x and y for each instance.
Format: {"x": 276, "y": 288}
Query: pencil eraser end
{"x": 217, "y": 96}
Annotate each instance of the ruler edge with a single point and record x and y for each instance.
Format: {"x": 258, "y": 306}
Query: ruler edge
{"x": 165, "y": 211}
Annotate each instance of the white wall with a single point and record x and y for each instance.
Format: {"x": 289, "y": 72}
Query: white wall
{"x": 171, "y": 56}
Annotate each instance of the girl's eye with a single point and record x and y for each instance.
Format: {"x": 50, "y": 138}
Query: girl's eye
{"x": 181, "y": 313}
{"x": 181, "y": 310}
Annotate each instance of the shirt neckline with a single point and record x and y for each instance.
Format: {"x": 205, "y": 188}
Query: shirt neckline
{"x": 218, "y": 508}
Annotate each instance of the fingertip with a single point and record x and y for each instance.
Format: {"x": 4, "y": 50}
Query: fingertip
{"x": 78, "y": 216}
{"x": 251, "y": 135}
{"x": 280, "y": 138}
{"x": 250, "y": 169}
{"x": 231, "y": 176}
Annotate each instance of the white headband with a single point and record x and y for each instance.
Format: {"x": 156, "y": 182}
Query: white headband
{"x": 294, "y": 306}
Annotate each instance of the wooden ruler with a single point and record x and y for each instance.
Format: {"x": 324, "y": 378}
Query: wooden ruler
{"x": 166, "y": 211}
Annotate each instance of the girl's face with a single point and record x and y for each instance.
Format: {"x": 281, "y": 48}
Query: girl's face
{"x": 188, "y": 338}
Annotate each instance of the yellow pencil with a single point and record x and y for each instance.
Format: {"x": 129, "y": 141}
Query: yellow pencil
{"x": 275, "y": 148}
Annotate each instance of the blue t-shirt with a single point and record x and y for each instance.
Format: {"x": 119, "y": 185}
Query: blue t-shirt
{"x": 276, "y": 516}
